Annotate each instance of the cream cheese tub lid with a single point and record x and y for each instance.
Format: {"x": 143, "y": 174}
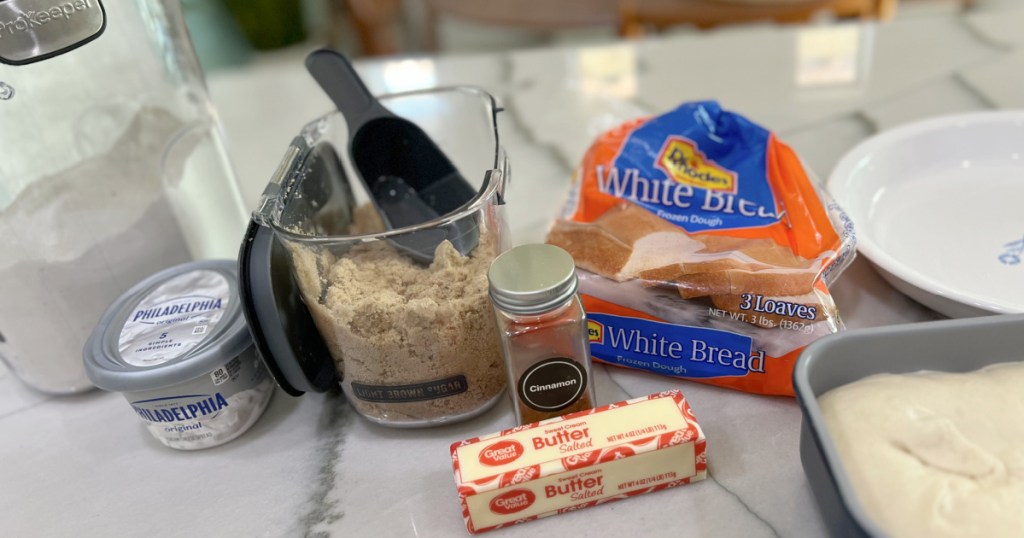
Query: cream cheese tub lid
{"x": 172, "y": 327}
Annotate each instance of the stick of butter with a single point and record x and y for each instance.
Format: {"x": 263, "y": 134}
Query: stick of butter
{"x": 578, "y": 460}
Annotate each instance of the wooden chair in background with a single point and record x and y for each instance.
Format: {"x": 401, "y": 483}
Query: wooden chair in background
{"x": 375, "y": 23}
{"x": 637, "y": 16}
{"x": 376, "y": 20}
{"x": 523, "y": 14}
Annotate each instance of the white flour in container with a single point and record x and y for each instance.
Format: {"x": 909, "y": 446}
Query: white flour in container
{"x": 73, "y": 241}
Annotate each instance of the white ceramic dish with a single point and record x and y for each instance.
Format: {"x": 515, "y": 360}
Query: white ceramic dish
{"x": 938, "y": 207}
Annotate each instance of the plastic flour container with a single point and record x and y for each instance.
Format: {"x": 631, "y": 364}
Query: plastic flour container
{"x": 177, "y": 346}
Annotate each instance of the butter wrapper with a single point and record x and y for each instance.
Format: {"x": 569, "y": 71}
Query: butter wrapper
{"x": 578, "y": 460}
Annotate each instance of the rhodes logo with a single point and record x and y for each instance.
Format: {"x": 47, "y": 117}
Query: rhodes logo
{"x": 595, "y": 331}
{"x": 683, "y": 162}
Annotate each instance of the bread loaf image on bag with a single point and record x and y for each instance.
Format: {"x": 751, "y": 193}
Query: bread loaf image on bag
{"x": 705, "y": 249}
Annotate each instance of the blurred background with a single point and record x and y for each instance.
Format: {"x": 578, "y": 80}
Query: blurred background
{"x": 230, "y": 33}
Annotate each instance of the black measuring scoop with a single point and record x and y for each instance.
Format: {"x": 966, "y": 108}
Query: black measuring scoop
{"x": 408, "y": 177}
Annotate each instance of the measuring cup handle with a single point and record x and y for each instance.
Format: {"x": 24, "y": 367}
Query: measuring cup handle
{"x": 342, "y": 84}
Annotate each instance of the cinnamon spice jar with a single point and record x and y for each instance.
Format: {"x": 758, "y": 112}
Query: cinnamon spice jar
{"x": 543, "y": 331}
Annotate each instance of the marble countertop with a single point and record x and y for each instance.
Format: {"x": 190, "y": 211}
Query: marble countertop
{"x": 83, "y": 466}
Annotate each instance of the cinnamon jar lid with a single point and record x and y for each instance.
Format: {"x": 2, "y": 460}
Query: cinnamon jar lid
{"x": 532, "y": 279}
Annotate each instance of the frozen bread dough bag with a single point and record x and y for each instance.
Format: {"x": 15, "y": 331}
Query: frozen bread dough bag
{"x": 705, "y": 249}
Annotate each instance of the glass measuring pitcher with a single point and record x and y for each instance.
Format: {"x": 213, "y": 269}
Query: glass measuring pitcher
{"x": 412, "y": 337}
{"x": 113, "y": 169}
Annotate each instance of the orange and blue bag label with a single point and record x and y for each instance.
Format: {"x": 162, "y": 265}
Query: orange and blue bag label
{"x": 704, "y": 249}
{"x": 678, "y": 350}
{"x": 685, "y": 183}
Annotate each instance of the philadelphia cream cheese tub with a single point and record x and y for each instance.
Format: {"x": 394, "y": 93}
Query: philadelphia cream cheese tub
{"x": 177, "y": 346}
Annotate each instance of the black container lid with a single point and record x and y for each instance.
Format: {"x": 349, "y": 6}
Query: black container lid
{"x": 282, "y": 328}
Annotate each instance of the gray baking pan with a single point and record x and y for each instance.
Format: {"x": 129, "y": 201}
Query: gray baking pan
{"x": 959, "y": 345}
